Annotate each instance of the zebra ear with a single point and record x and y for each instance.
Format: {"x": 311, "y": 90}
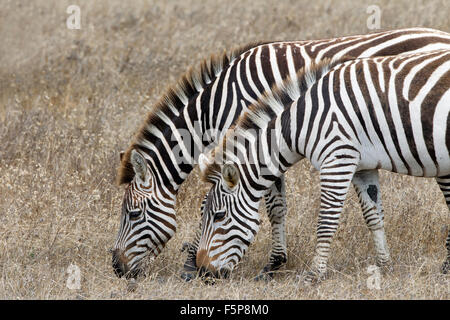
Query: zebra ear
{"x": 121, "y": 153}
{"x": 230, "y": 175}
{"x": 139, "y": 165}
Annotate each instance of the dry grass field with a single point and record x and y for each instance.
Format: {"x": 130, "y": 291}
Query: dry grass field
{"x": 70, "y": 100}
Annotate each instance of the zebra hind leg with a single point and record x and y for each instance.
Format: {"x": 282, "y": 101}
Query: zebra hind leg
{"x": 444, "y": 185}
{"x": 275, "y": 201}
{"x": 367, "y": 187}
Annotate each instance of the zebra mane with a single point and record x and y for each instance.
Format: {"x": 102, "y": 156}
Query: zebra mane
{"x": 175, "y": 98}
{"x": 270, "y": 104}
{"x": 212, "y": 170}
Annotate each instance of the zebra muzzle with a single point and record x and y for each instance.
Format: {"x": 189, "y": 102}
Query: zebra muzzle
{"x": 120, "y": 268}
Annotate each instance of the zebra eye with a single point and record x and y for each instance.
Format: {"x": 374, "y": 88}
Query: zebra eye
{"x": 134, "y": 214}
{"x": 219, "y": 215}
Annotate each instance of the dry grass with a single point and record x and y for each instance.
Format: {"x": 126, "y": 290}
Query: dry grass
{"x": 71, "y": 99}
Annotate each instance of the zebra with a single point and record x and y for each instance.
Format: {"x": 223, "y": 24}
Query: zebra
{"x": 349, "y": 118}
{"x": 203, "y": 104}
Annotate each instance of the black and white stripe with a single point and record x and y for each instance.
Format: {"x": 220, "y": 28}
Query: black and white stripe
{"x": 194, "y": 115}
{"x": 349, "y": 119}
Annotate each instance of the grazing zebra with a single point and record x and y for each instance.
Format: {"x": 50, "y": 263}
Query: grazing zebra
{"x": 349, "y": 119}
{"x": 195, "y": 113}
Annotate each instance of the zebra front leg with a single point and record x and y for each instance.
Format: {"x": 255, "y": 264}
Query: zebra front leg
{"x": 275, "y": 201}
{"x": 336, "y": 175}
{"x": 444, "y": 185}
{"x": 190, "y": 267}
{"x": 367, "y": 187}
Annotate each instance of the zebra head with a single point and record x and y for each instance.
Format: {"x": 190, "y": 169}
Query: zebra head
{"x": 147, "y": 220}
{"x": 230, "y": 221}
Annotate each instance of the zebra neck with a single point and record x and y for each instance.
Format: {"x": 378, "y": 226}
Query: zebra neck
{"x": 265, "y": 155}
{"x": 171, "y": 154}
{"x": 284, "y": 151}
{"x": 177, "y": 144}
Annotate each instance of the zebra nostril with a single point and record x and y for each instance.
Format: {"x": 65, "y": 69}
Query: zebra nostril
{"x": 120, "y": 269}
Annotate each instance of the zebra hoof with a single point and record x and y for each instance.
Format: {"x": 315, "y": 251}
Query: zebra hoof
{"x": 132, "y": 285}
{"x": 264, "y": 276}
{"x": 385, "y": 267}
{"x": 311, "y": 278}
{"x": 267, "y": 273}
{"x": 188, "y": 276}
{"x": 445, "y": 269}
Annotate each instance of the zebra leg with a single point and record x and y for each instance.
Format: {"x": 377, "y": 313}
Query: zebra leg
{"x": 444, "y": 184}
{"x": 367, "y": 187}
{"x": 275, "y": 201}
{"x": 190, "y": 267}
{"x": 336, "y": 175}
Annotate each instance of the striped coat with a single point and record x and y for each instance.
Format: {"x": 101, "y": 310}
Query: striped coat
{"x": 194, "y": 114}
{"x": 349, "y": 119}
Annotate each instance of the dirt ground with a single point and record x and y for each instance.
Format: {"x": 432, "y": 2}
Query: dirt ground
{"x": 70, "y": 100}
